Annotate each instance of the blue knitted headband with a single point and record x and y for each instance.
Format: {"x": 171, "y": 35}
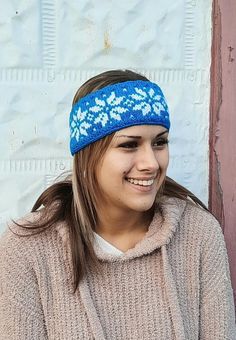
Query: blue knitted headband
{"x": 116, "y": 107}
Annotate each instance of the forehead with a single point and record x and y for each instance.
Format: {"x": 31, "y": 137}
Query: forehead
{"x": 141, "y": 130}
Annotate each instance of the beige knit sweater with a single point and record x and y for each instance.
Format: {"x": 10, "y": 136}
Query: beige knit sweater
{"x": 174, "y": 284}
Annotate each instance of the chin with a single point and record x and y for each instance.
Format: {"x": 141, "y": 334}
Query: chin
{"x": 144, "y": 207}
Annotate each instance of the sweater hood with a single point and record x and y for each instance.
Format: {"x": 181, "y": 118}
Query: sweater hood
{"x": 160, "y": 231}
{"x": 162, "y": 228}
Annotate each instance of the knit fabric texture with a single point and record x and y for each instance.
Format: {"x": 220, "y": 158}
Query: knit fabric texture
{"x": 115, "y": 107}
{"x": 174, "y": 284}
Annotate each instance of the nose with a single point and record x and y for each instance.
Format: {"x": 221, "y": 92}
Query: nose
{"x": 147, "y": 160}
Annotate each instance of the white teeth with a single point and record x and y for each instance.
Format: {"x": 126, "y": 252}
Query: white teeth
{"x": 139, "y": 182}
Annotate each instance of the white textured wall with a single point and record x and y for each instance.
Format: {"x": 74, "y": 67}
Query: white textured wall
{"x": 49, "y": 48}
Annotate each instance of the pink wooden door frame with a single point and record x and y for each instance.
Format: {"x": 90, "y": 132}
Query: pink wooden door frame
{"x": 222, "y": 184}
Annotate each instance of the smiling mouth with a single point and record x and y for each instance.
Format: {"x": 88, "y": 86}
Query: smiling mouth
{"x": 145, "y": 186}
{"x": 144, "y": 183}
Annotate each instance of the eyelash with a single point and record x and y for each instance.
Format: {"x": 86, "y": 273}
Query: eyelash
{"x": 134, "y": 144}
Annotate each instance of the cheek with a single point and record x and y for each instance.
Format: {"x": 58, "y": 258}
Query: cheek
{"x": 111, "y": 171}
{"x": 118, "y": 165}
{"x": 165, "y": 159}
{"x": 166, "y": 162}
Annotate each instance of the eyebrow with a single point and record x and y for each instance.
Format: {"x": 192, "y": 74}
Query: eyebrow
{"x": 139, "y": 137}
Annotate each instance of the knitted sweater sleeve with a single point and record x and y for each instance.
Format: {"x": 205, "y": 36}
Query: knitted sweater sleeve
{"x": 217, "y": 319}
{"x": 21, "y": 315}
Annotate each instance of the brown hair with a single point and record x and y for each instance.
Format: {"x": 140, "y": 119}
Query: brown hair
{"x": 75, "y": 198}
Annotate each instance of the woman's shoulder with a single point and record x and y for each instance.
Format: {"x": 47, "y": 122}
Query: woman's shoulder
{"x": 24, "y": 237}
{"x": 17, "y": 227}
{"x": 200, "y": 218}
{"x": 189, "y": 209}
{"x": 193, "y": 219}
{"x": 16, "y": 251}
{"x": 201, "y": 227}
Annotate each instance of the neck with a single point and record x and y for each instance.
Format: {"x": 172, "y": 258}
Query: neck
{"x": 113, "y": 223}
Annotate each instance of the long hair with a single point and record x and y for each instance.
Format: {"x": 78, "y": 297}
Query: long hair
{"x": 74, "y": 199}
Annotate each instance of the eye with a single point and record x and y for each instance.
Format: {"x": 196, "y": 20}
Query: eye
{"x": 160, "y": 143}
{"x": 129, "y": 145}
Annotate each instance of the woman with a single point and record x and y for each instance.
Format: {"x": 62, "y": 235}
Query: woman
{"x": 118, "y": 251}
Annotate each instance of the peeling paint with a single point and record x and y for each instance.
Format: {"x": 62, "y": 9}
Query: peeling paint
{"x": 107, "y": 42}
{"x": 215, "y": 190}
{"x": 230, "y": 59}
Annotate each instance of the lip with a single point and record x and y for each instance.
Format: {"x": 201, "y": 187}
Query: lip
{"x": 141, "y": 188}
